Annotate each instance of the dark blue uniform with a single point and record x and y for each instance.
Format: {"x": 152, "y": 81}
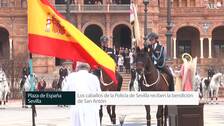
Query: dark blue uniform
{"x": 158, "y": 56}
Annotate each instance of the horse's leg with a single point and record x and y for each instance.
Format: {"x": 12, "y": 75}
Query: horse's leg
{"x": 159, "y": 115}
{"x": 165, "y": 115}
{"x": 4, "y": 97}
{"x": 23, "y": 99}
{"x": 148, "y": 116}
{"x": 206, "y": 96}
{"x": 216, "y": 95}
{"x": 101, "y": 114}
{"x": 113, "y": 114}
{"x": 1, "y": 98}
{"x": 212, "y": 95}
{"x": 109, "y": 112}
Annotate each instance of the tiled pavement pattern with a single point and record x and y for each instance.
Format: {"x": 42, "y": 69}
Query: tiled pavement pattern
{"x": 14, "y": 115}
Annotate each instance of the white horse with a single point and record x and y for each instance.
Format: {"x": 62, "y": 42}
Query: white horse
{"x": 4, "y": 88}
{"x": 216, "y": 82}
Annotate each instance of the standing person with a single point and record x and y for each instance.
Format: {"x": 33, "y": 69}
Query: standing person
{"x": 83, "y": 81}
{"x": 120, "y": 62}
{"x": 41, "y": 85}
{"x": 158, "y": 56}
{"x": 127, "y": 61}
{"x": 185, "y": 72}
{"x": 63, "y": 72}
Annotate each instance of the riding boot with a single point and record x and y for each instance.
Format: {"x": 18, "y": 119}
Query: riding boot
{"x": 171, "y": 81}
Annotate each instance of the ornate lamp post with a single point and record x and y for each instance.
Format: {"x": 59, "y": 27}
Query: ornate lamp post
{"x": 145, "y": 2}
{"x": 169, "y": 27}
{"x": 67, "y": 63}
{"x": 68, "y": 10}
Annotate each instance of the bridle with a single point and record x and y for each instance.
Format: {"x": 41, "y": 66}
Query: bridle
{"x": 102, "y": 80}
{"x": 145, "y": 83}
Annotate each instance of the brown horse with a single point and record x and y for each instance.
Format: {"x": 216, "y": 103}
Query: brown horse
{"x": 151, "y": 79}
{"x": 107, "y": 84}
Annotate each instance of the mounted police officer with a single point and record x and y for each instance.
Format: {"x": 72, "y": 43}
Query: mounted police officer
{"x": 110, "y": 51}
{"x": 26, "y": 71}
{"x": 158, "y": 56}
{"x": 211, "y": 72}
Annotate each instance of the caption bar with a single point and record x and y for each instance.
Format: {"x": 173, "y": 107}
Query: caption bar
{"x": 138, "y": 98}
{"x": 50, "y": 98}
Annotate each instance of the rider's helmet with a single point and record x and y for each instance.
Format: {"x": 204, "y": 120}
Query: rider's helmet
{"x": 104, "y": 40}
{"x": 152, "y": 36}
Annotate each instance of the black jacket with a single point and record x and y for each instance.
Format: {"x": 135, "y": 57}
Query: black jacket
{"x": 158, "y": 55}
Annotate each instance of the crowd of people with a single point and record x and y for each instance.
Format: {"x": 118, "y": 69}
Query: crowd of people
{"x": 100, "y": 2}
{"x": 124, "y": 58}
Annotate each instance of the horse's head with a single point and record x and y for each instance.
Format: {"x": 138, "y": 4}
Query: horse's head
{"x": 142, "y": 60}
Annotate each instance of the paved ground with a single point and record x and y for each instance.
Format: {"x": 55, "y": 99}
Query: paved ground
{"x": 14, "y": 115}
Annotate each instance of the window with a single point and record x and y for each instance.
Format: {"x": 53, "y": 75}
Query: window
{"x": 192, "y": 3}
{"x": 176, "y": 3}
{"x": 93, "y": 2}
{"x": 184, "y": 46}
{"x": 218, "y": 48}
{"x": 63, "y": 1}
{"x": 120, "y": 1}
{"x": 184, "y": 3}
{"x": 4, "y": 3}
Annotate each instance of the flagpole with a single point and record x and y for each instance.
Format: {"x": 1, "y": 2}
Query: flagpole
{"x": 133, "y": 41}
{"x": 32, "y": 87}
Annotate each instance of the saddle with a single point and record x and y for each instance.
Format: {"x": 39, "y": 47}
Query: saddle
{"x": 167, "y": 76}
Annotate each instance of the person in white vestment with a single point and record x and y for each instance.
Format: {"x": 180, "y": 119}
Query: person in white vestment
{"x": 83, "y": 81}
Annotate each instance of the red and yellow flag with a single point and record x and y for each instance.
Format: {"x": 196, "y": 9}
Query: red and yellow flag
{"x": 50, "y": 34}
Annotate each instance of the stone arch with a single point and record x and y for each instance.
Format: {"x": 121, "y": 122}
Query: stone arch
{"x": 188, "y": 41}
{"x": 120, "y": 22}
{"x": 122, "y": 36}
{"x": 218, "y": 41}
{"x": 4, "y": 43}
{"x": 214, "y": 27}
{"x": 93, "y": 23}
{"x": 94, "y": 32}
{"x": 176, "y": 28}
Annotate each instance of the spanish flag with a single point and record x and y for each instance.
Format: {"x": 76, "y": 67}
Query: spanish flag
{"x": 50, "y": 34}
